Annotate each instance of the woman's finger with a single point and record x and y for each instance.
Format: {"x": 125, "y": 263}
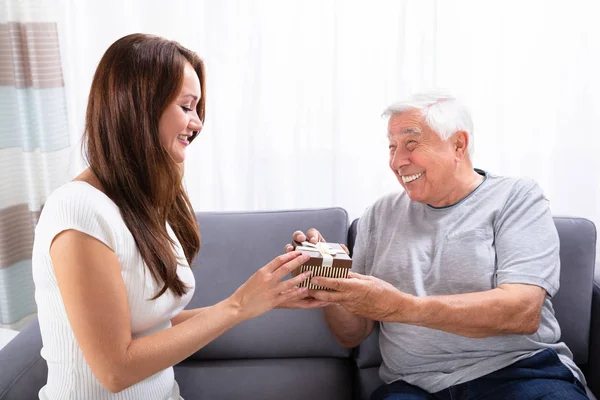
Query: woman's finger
{"x": 283, "y": 259}
{"x": 290, "y": 266}
{"x": 295, "y": 281}
{"x": 292, "y": 295}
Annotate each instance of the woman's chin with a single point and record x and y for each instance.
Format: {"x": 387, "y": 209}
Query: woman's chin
{"x": 178, "y": 157}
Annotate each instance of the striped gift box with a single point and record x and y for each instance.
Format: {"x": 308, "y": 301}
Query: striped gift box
{"x": 326, "y": 259}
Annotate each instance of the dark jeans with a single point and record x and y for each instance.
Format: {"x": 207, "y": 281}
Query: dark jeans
{"x": 541, "y": 376}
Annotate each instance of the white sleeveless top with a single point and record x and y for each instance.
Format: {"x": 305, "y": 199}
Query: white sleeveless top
{"x": 80, "y": 206}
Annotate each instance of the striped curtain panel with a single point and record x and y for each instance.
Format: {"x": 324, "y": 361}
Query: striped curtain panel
{"x": 34, "y": 143}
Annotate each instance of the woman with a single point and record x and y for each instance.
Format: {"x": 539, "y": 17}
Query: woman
{"x": 112, "y": 248}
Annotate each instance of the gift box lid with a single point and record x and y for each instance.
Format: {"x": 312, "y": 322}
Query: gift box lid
{"x": 324, "y": 254}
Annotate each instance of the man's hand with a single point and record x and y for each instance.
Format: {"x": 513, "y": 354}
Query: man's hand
{"x": 312, "y": 236}
{"x": 365, "y": 296}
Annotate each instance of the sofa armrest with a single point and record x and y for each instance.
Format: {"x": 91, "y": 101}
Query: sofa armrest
{"x": 23, "y": 371}
{"x": 593, "y": 371}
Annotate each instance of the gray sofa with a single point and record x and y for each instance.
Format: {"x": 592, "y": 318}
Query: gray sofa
{"x": 290, "y": 353}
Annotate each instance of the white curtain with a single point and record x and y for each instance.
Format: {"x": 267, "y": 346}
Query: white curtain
{"x": 34, "y": 143}
{"x": 296, "y": 88}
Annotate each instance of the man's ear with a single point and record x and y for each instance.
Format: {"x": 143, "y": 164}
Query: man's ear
{"x": 460, "y": 140}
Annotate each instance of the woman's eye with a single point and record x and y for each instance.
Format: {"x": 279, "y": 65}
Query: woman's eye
{"x": 186, "y": 109}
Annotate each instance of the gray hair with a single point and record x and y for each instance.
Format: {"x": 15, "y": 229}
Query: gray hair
{"x": 442, "y": 112}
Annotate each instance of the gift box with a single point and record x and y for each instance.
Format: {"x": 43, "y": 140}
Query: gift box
{"x": 326, "y": 259}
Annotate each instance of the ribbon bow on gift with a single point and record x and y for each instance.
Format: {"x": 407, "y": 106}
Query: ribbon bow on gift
{"x": 327, "y": 252}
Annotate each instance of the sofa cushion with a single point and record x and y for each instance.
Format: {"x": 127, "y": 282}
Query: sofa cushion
{"x": 233, "y": 246}
{"x": 23, "y": 371}
{"x": 368, "y": 380}
{"x": 301, "y": 378}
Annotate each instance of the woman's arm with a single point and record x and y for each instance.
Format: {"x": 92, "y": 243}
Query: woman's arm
{"x": 89, "y": 278}
{"x": 184, "y": 315}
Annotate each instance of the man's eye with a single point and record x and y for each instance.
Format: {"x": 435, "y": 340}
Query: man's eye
{"x": 186, "y": 109}
{"x": 411, "y": 143}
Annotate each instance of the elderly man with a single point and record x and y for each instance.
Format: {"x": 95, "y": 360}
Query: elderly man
{"x": 459, "y": 269}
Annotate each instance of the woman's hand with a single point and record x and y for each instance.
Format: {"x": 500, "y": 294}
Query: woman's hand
{"x": 264, "y": 290}
{"x": 306, "y": 302}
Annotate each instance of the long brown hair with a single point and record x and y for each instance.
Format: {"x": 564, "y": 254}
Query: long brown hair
{"x": 137, "y": 78}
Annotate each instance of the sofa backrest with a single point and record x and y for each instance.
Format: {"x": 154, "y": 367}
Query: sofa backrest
{"x": 234, "y": 245}
{"x": 572, "y": 303}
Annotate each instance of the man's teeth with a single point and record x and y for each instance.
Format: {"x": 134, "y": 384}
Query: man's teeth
{"x": 410, "y": 178}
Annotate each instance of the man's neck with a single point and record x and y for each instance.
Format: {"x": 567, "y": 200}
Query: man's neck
{"x": 464, "y": 184}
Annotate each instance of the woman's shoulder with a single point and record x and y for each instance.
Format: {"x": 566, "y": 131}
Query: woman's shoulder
{"x": 80, "y": 206}
{"x": 78, "y": 197}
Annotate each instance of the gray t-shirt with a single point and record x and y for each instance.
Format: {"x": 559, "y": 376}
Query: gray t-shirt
{"x": 502, "y": 232}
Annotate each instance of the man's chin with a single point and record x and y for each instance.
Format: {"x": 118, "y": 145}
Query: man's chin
{"x": 414, "y": 196}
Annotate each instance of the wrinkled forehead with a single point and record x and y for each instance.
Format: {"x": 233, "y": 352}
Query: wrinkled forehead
{"x": 406, "y": 123}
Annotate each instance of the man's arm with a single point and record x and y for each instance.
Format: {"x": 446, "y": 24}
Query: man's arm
{"x": 349, "y": 329}
{"x": 527, "y": 251}
{"x": 507, "y": 309}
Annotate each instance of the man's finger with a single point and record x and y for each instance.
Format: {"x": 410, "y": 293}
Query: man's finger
{"x": 288, "y": 247}
{"x": 359, "y": 276}
{"x": 343, "y": 246}
{"x": 338, "y": 284}
{"x": 314, "y": 236}
{"x": 299, "y": 236}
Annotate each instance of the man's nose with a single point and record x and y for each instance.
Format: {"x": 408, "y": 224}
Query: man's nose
{"x": 399, "y": 159}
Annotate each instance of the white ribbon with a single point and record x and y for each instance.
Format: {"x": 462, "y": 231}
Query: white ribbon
{"x": 327, "y": 252}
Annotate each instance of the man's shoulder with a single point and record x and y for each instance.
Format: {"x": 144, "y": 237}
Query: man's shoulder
{"x": 512, "y": 185}
{"x": 511, "y": 193}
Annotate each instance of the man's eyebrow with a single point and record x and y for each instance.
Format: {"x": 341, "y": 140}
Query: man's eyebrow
{"x": 407, "y": 131}
{"x": 411, "y": 131}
